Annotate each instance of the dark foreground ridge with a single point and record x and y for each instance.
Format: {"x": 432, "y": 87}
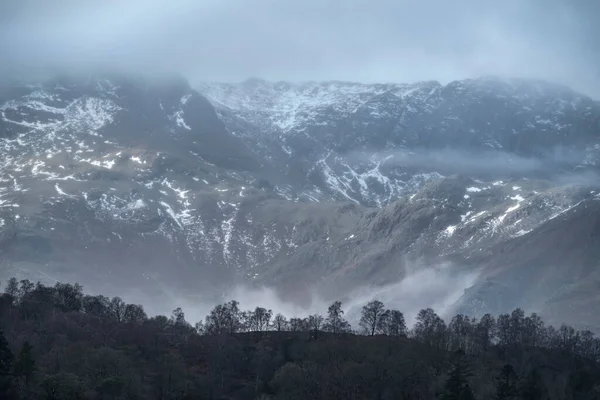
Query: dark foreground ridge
{"x": 57, "y": 343}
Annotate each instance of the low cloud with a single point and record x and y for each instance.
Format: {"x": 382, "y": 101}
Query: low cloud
{"x": 473, "y": 163}
{"x": 439, "y": 287}
{"x": 585, "y": 178}
{"x": 296, "y": 40}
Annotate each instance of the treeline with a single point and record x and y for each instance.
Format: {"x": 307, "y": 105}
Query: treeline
{"x": 462, "y": 333}
{"x": 59, "y": 343}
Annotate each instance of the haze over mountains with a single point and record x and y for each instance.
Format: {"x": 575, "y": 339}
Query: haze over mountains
{"x": 323, "y": 190}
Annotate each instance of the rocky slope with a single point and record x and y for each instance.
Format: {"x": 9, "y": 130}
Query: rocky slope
{"x": 374, "y": 143}
{"x": 142, "y": 183}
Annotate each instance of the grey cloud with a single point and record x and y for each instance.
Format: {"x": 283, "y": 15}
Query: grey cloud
{"x": 420, "y": 286}
{"x": 473, "y": 163}
{"x": 359, "y": 40}
{"x": 585, "y": 178}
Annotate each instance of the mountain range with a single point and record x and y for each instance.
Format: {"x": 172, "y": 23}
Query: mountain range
{"x": 486, "y": 192}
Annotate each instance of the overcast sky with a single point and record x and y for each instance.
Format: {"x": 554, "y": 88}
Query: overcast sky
{"x": 298, "y": 40}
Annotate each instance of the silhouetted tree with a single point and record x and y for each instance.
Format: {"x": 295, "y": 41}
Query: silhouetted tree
{"x": 224, "y": 318}
{"x": 372, "y": 317}
{"x": 460, "y": 331}
{"x": 96, "y": 305}
{"x": 588, "y": 345}
{"x": 517, "y": 322}
{"x": 68, "y": 297}
{"x": 25, "y": 287}
{"x": 394, "y": 323}
{"x": 116, "y": 308}
{"x": 335, "y": 322}
{"x": 134, "y": 313}
{"x": 12, "y": 288}
{"x": 533, "y": 329}
{"x": 200, "y": 328}
{"x": 233, "y": 316}
{"x": 550, "y": 337}
{"x": 504, "y": 331}
{"x": 430, "y": 329}
{"x": 178, "y": 317}
{"x": 298, "y": 324}
{"x": 486, "y": 330}
{"x": 259, "y": 319}
{"x": 568, "y": 338}
{"x": 315, "y": 322}
{"x": 280, "y": 323}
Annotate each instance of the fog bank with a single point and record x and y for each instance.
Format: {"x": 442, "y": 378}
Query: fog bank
{"x": 465, "y": 162}
{"x": 300, "y": 40}
{"x": 438, "y": 287}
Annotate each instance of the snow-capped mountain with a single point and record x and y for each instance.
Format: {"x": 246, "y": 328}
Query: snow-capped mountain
{"x": 374, "y": 143}
{"x": 150, "y": 185}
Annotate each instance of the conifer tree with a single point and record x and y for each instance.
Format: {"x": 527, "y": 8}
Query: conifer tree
{"x": 6, "y": 366}
{"x": 456, "y": 386}
{"x": 25, "y": 363}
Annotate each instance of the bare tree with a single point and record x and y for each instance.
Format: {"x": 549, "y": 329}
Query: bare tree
{"x": 245, "y": 321}
{"x": 504, "y": 329}
{"x": 224, "y": 318}
{"x": 259, "y": 319}
{"x": 568, "y": 338}
{"x": 533, "y": 328}
{"x": 517, "y": 322}
{"x": 233, "y": 316}
{"x": 394, "y": 323}
{"x": 315, "y": 322}
{"x": 372, "y": 317}
{"x": 200, "y": 328}
{"x": 117, "y": 308}
{"x": 298, "y": 324}
{"x": 12, "y": 288}
{"x": 134, "y": 313}
{"x": 98, "y": 306}
{"x": 280, "y": 323}
{"x": 486, "y": 331}
{"x": 68, "y": 297}
{"x": 587, "y": 345}
{"x": 26, "y": 287}
{"x": 430, "y": 329}
{"x": 335, "y": 321}
{"x": 460, "y": 332}
{"x": 178, "y": 317}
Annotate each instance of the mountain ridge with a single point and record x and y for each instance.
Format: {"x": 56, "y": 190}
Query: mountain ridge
{"x": 153, "y": 186}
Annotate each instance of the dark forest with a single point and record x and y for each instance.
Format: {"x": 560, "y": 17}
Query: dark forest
{"x": 58, "y": 343}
